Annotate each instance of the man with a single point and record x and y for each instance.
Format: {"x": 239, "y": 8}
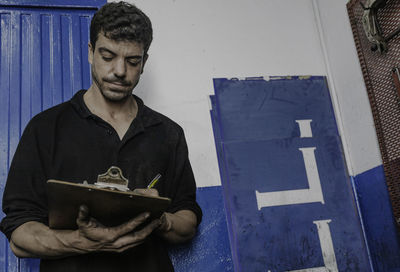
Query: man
{"x": 79, "y": 139}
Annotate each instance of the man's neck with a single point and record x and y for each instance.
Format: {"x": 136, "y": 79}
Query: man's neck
{"x": 118, "y": 114}
{"x": 117, "y": 110}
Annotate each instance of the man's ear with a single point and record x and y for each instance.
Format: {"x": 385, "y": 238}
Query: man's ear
{"x": 145, "y": 57}
{"x": 90, "y": 53}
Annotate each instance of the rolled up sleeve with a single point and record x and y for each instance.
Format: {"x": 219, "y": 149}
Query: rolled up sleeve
{"x": 184, "y": 195}
{"x": 24, "y": 197}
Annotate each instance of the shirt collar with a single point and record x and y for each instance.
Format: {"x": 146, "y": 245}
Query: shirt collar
{"x": 145, "y": 117}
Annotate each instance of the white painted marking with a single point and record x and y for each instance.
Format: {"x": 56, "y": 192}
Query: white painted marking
{"x": 328, "y": 253}
{"x": 291, "y": 197}
{"x": 325, "y": 239}
{"x": 305, "y": 128}
{"x": 314, "y": 269}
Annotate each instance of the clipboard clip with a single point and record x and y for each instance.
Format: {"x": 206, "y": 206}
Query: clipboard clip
{"x": 112, "y": 179}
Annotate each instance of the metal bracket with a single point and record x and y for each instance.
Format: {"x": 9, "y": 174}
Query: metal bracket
{"x": 371, "y": 25}
{"x": 112, "y": 179}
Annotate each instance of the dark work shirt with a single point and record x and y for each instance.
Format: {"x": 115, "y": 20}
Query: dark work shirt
{"x": 68, "y": 142}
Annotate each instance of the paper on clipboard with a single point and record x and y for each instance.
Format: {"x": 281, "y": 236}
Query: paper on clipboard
{"x": 109, "y": 207}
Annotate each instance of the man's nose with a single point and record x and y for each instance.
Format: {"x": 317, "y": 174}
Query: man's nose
{"x": 120, "y": 68}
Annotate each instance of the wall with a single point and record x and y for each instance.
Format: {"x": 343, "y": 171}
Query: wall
{"x": 196, "y": 41}
{"x": 347, "y": 86}
{"x": 358, "y": 135}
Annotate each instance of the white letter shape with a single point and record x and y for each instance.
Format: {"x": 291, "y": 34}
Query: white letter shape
{"x": 300, "y": 196}
{"x": 328, "y": 253}
{"x": 305, "y": 128}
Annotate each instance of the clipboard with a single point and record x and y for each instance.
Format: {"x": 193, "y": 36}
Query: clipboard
{"x": 109, "y": 207}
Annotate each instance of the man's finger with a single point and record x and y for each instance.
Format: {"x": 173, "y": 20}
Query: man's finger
{"x": 83, "y": 215}
{"x": 148, "y": 229}
{"x": 135, "y": 238}
{"x": 130, "y": 225}
{"x": 146, "y": 192}
{"x": 165, "y": 223}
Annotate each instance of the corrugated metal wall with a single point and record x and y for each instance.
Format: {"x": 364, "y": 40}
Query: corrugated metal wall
{"x": 43, "y": 61}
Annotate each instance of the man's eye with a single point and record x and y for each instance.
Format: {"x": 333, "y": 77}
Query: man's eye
{"x": 107, "y": 58}
{"x": 134, "y": 63}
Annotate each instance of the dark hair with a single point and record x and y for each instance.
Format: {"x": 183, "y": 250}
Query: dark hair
{"x": 121, "y": 21}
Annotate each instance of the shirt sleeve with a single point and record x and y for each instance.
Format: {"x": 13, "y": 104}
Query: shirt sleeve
{"x": 184, "y": 185}
{"x": 24, "y": 197}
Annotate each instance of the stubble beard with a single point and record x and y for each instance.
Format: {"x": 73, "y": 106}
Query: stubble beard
{"x": 107, "y": 97}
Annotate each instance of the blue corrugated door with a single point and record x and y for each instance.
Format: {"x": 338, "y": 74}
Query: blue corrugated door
{"x": 43, "y": 61}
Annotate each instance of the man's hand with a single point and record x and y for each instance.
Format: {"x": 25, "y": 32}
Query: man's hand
{"x": 165, "y": 221}
{"x": 175, "y": 227}
{"x": 147, "y": 192}
{"x": 96, "y": 237}
{"x": 36, "y": 240}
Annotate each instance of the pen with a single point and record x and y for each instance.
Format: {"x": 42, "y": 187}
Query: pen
{"x": 154, "y": 181}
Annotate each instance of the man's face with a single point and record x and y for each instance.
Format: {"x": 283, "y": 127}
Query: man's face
{"x": 116, "y": 67}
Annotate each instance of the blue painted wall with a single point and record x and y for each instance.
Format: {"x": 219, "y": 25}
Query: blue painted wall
{"x": 209, "y": 251}
{"x": 379, "y": 223}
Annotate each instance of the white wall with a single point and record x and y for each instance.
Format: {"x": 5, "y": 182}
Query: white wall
{"x": 196, "y": 41}
{"x": 347, "y": 86}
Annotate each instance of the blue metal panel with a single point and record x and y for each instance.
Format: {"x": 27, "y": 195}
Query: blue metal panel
{"x": 274, "y": 105}
{"x": 84, "y": 30}
{"x": 87, "y": 4}
{"x": 14, "y": 97}
{"x": 43, "y": 61}
{"x": 258, "y": 142}
{"x": 8, "y": 260}
{"x": 283, "y": 238}
{"x": 4, "y": 95}
{"x": 218, "y": 144}
{"x": 26, "y": 66}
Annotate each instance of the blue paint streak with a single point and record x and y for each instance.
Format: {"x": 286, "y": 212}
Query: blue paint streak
{"x": 209, "y": 251}
{"x": 29, "y": 265}
{"x": 361, "y": 223}
{"x": 377, "y": 215}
